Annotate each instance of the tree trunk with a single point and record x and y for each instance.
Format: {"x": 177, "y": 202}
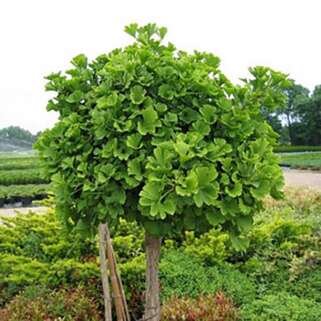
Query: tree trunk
{"x": 103, "y": 271}
{"x": 152, "y": 301}
{"x": 290, "y": 129}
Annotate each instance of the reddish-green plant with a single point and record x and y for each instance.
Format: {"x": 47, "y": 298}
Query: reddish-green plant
{"x": 205, "y": 308}
{"x": 46, "y": 305}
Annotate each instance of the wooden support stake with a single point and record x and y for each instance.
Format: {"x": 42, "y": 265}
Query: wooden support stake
{"x": 104, "y": 271}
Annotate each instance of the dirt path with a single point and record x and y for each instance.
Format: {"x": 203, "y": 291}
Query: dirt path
{"x": 24, "y": 210}
{"x": 303, "y": 178}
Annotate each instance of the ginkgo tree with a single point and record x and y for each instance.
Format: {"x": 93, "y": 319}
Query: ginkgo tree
{"x": 161, "y": 136}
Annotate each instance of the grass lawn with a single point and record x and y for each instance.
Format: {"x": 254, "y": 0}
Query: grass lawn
{"x": 308, "y": 160}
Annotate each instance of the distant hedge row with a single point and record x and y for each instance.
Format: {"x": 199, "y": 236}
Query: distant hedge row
{"x": 293, "y": 149}
{"x": 21, "y": 177}
{"x": 22, "y": 193}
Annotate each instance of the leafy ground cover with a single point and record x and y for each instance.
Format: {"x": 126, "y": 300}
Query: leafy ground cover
{"x": 304, "y": 161}
{"x": 277, "y": 278}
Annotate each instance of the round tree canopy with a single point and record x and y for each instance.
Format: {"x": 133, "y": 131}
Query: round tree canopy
{"x": 159, "y": 135}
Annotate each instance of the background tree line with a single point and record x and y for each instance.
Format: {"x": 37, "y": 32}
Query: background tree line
{"x": 299, "y": 123}
{"x": 14, "y": 138}
{"x": 18, "y": 133}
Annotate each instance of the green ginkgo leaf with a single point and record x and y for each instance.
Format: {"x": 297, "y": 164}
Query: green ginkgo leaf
{"x": 75, "y": 97}
{"x": 209, "y": 113}
{"x": 207, "y": 195}
{"x": 149, "y": 123}
{"x": 150, "y": 194}
{"x": 235, "y": 190}
{"x": 202, "y": 127}
{"x": 244, "y": 222}
{"x": 166, "y": 92}
{"x": 132, "y": 29}
{"x": 108, "y": 101}
{"x": 214, "y": 217}
{"x": 135, "y": 169}
{"x": 134, "y": 141}
{"x": 80, "y": 61}
{"x": 262, "y": 190}
{"x": 137, "y": 94}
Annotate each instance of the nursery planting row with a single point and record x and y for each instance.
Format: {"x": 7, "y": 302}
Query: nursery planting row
{"x": 21, "y": 180}
{"x": 21, "y": 176}
{"x": 7, "y": 163}
{"x": 22, "y": 193}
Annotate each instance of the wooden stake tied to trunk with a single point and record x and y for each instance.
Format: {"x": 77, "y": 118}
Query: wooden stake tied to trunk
{"x": 119, "y": 295}
{"x": 105, "y": 246}
{"x": 104, "y": 271}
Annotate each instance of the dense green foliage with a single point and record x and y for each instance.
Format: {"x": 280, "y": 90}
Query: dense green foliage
{"x": 282, "y": 307}
{"x": 177, "y": 268}
{"x": 35, "y": 250}
{"x": 281, "y": 267}
{"x": 309, "y": 160}
{"x": 162, "y": 136}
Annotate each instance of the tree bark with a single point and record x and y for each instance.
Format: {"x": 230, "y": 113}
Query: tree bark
{"x": 104, "y": 272}
{"x": 152, "y": 300}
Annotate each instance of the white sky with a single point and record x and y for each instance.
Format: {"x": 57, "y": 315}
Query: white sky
{"x": 38, "y": 37}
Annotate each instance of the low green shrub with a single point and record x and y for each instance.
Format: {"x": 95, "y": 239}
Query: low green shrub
{"x": 39, "y": 304}
{"x": 232, "y": 282}
{"x": 212, "y": 247}
{"x": 133, "y": 277}
{"x": 281, "y": 307}
{"x": 42, "y": 237}
{"x": 184, "y": 275}
{"x": 205, "y": 308}
{"x": 35, "y": 249}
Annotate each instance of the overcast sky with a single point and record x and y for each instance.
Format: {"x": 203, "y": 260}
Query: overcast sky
{"x": 38, "y": 37}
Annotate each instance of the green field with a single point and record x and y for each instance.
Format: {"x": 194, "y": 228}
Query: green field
{"x": 303, "y": 161}
{"x": 295, "y": 149}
